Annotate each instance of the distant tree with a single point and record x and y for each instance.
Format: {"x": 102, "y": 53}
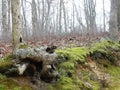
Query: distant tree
{"x": 4, "y": 20}
{"x": 60, "y": 16}
{"x": 90, "y": 15}
{"x": 9, "y": 15}
{"x": 47, "y": 20}
{"x": 114, "y": 23}
{"x": 104, "y": 26}
{"x": 34, "y": 20}
{"x": 24, "y": 20}
{"x": 16, "y": 24}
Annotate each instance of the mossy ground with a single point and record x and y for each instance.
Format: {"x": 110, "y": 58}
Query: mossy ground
{"x": 73, "y": 56}
{"x": 69, "y": 69}
{"x": 114, "y": 83}
{"x": 8, "y": 83}
{"x": 5, "y": 62}
{"x": 75, "y": 69}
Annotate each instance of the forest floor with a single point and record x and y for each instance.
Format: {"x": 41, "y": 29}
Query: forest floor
{"x": 65, "y": 41}
{"x": 96, "y": 66}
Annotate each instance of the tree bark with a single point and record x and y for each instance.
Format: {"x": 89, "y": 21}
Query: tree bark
{"x": 90, "y": 15}
{"x": 16, "y": 24}
{"x": 4, "y": 20}
{"x": 113, "y": 23}
{"x": 34, "y": 20}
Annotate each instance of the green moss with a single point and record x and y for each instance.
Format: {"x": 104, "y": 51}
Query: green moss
{"x": 67, "y": 67}
{"x": 111, "y": 53}
{"x": 65, "y": 83}
{"x": 105, "y": 52}
{"x": 23, "y": 45}
{"x": 104, "y": 46}
{"x": 75, "y": 53}
{"x": 9, "y": 84}
{"x": 96, "y": 85}
{"x": 6, "y": 62}
{"x": 113, "y": 70}
{"x": 100, "y": 47}
{"x": 73, "y": 56}
{"x": 107, "y": 49}
{"x": 114, "y": 83}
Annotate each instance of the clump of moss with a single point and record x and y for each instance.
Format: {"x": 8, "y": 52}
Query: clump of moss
{"x": 106, "y": 52}
{"x": 114, "y": 82}
{"x": 107, "y": 49}
{"x": 5, "y": 82}
{"x": 65, "y": 83}
{"x": 6, "y": 62}
{"x": 73, "y": 56}
{"x": 23, "y": 45}
{"x": 9, "y": 84}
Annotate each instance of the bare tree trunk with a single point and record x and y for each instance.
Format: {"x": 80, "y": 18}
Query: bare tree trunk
{"x": 90, "y": 15}
{"x": 60, "y": 16}
{"x": 65, "y": 20}
{"x": 104, "y": 26}
{"x": 4, "y": 20}
{"x": 47, "y": 16}
{"x": 34, "y": 20}
{"x": 16, "y": 24}
{"x": 79, "y": 17}
{"x": 73, "y": 19}
{"x": 113, "y": 23}
{"x": 57, "y": 20}
{"x": 43, "y": 16}
{"x": 39, "y": 17}
{"x": 24, "y": 24}
{"x": 9, "y": 15}
{"x": 118, "y": 8}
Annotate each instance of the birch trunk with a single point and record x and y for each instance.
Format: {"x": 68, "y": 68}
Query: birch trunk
{"x": 16, "y": 24}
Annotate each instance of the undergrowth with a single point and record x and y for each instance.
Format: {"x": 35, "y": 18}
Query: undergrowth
{"x": 114, "y": 83}
{"x": 73, "y": 57}
{"x": 107, "y": 52}
{"x": 8, "y": 83}
{"x": 6, "y": 61}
